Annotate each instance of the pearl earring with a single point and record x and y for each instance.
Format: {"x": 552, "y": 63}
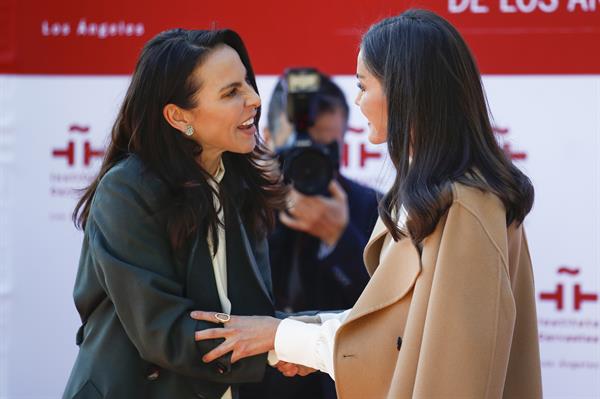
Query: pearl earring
{"x": 189, "y": 131}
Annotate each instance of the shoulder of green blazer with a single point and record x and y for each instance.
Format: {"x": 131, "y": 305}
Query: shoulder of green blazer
{"x": 131, "y": 171}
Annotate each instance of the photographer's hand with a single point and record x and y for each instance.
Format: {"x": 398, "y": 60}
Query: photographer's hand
{"x": 322, "y": 217}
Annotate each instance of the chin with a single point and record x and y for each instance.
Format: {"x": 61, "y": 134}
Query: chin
{"x": 245, "y": 148}
{"x": 376, "y": 138}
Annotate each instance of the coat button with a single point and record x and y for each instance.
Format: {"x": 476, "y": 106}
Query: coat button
{"x": 153, "y": 374}
{"x": 399, "y": 343}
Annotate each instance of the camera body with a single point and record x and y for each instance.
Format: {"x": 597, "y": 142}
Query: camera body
{"x": 308, "y": 165}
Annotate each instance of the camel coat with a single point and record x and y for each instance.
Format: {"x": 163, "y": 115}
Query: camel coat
{"x": 461, "y": 323}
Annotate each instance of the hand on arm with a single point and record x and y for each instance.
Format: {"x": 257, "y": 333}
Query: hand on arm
{"x": 301, "y": 347}
{"x": 244, "y": 335}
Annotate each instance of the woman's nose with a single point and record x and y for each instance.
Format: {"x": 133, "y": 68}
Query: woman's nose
{"x": 253, "y": 99}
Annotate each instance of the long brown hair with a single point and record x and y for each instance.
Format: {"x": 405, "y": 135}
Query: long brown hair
{"x": 438, "y": 114}
{"x": 162, "y": 76}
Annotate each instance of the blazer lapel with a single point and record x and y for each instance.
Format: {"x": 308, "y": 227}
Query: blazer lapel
{"x": 201, "y": 285}
{"x": 392, "y": 278}
{"x": 258, "y": 261}
{"x": 260, "y": 275}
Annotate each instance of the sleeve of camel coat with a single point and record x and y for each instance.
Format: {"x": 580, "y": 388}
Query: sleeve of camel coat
{"x": 470, "y": 316}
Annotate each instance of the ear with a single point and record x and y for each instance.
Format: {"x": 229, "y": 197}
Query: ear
{"x": 176, "y": 117}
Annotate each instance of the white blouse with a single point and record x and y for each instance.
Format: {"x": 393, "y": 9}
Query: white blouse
{"x": 219, "y": 259}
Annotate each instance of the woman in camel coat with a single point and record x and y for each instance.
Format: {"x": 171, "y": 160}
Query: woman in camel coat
{"x": 456, "y": 322}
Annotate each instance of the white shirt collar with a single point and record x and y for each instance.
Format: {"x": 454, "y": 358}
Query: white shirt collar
{"x": 220, "y": 172}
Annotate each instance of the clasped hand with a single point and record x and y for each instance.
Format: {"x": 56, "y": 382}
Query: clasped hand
{"x": 245, "y": 336}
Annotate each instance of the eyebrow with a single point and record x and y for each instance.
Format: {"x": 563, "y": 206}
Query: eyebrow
{"x": 359, "y": 76}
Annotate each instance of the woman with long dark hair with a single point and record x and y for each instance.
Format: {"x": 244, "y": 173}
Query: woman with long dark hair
{"x": 176, "y": 220}
{"x": 449, "y": 311}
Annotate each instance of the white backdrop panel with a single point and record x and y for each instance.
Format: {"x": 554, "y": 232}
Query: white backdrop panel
{"x": 551, "y": 125}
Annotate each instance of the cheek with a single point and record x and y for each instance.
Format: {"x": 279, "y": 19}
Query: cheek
{"x": 369, "y": 108}
{"x": 223, "y": 109}
{"x": 375, "y": 112}
{"x": 365, "y": 109}
{"x": 211, "y": 126}
{"x": 383, "y": 121}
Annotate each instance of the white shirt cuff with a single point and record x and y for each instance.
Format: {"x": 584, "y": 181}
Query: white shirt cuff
{"x": 272, "y": 358}
{"x": 309, "y": 344}
{"x": 296, "y": 342}
{"x": 341, "y": 316}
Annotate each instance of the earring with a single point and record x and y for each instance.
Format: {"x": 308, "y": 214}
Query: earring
{"x": 189, "y": 131}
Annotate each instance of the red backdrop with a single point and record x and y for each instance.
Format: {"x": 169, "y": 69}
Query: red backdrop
{"x": 549, "y": 37}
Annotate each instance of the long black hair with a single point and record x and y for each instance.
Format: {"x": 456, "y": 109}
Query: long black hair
{"x": 163, "y": 76}
{"x": 438, "y": 116}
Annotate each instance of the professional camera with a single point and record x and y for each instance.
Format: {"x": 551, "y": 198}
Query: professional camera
{"x": 309, "y": 166}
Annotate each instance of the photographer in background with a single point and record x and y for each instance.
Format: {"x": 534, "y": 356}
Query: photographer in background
{"x": 316, "y": 249}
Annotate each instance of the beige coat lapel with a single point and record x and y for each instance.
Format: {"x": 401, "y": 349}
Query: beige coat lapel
{"x": 395, "y": 277}
{"x": 373, "y": 247}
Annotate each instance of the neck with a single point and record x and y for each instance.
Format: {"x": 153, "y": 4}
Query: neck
{"x": 210, "y": 162}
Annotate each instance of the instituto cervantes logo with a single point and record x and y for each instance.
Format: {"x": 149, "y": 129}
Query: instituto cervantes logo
{"x": 87, "y": 151}
{"x": 74, "y": 163}
{"x": 571, "y": 320}
{"x": 579, "y": 297}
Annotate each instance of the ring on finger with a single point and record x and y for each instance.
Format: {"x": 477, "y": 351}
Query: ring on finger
{"x": 222, "y": 317}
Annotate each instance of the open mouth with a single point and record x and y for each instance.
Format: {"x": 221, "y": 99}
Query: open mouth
{"x": 249, "y": 124}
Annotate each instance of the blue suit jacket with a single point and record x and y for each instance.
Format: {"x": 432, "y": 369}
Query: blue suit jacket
{"x": 337, "y": 280}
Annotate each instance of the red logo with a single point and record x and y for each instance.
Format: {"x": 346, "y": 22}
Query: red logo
{"x": 558, "y": 295}
{"x": 89, "y": 153}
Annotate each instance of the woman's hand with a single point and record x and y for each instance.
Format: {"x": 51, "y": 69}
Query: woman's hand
{"x": 244, "y": 335}
{"x": 292, "y": 370}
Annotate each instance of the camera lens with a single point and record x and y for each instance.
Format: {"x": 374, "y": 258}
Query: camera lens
{"x": 310, "y": 170}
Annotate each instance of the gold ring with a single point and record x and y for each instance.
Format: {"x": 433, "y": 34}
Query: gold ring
{"x": 222, "y": 317}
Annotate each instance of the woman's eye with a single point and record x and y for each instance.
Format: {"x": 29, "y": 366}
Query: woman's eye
{"x": 232, "y": 93}
{"x": 360, "y": 87}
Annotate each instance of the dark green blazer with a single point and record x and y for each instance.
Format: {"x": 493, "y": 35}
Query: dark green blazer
{"x": 134, "y": 296}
